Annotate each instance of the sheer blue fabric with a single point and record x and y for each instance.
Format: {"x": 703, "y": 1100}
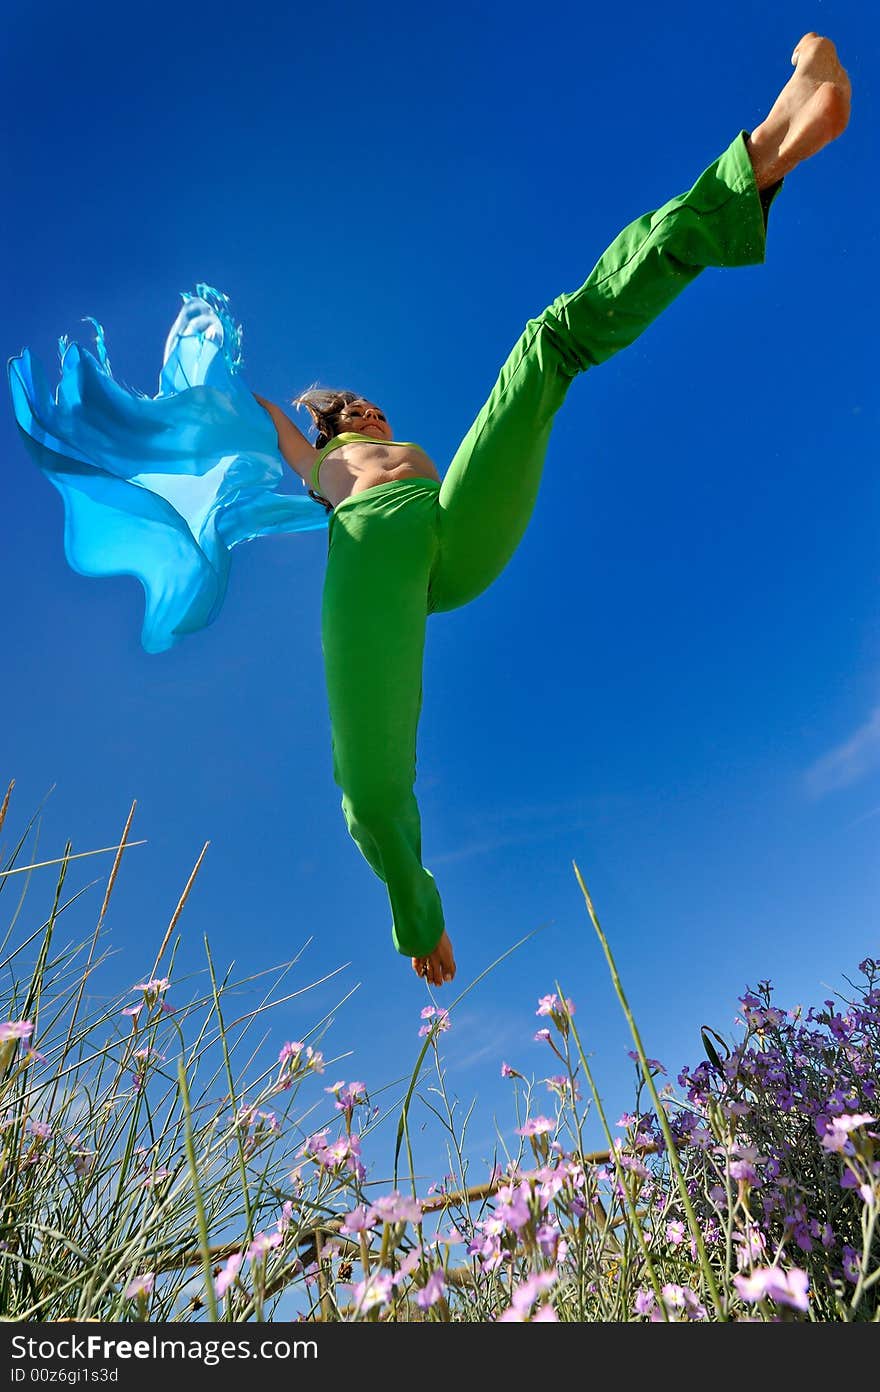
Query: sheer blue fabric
{"x": 161, "y": 487}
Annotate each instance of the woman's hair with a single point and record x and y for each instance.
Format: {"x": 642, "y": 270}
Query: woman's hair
{"x": 325, "y": 407}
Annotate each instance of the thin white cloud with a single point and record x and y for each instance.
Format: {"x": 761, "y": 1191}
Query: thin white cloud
{"x": 483, "y": 846}
{"x": 848, "y": 762}
{"x": 523, "y": 826}
{"x": 490, "y": 1035}
{"x": 865, "y": 817}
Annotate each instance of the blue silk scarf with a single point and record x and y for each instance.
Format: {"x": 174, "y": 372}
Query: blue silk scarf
{"x": 161, "y": 487}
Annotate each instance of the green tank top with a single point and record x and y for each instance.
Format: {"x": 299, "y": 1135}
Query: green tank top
{"x": 345, "y": 438}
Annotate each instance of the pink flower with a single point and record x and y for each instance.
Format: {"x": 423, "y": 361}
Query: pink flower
{"x": 785, "y": 1287}
{"x": 227, "y": 1274}
{"x": 508, "y": 1072}
{"x": 156, "y": 1177}
{"x": 542, "y": 1035}
{"x": 16, "y": 1029}
{"x": 675, "y": 1232}
{"x": 433, "y": 1290}
{"x": 562, "y": 1086}
{"x": 751, "y": 1247}
{"x": 358, "y": 1221}
{"x": 140, "y": 1287}
{"x": 347, "y": 1100}
{"x": 536, "y": 1126}
{"x": 154, "y": 987}
{"x": 262, "y": 1244}
{"x": 513, "y": 1206}
{"x": 396, "y": 1208}
{"x": 438, "y": 1019}
{"x": 839, "y": 1128}
{"x": 552, "y": 1005}
{"x": 545, "y": 1314}
{"x": 680, "y": 1300}
{"x": 524, "y": 1296}
{"x": 375, "y": 1290}
{"x": 407, "y": 1266}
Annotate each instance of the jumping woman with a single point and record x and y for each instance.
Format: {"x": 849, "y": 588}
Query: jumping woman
{"x": 163, "y": 487}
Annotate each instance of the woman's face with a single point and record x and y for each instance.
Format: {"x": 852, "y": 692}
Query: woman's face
{"x": 365, "y": 419}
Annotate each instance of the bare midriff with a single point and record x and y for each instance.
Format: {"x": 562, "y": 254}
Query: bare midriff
{"x": 361, "y": 464}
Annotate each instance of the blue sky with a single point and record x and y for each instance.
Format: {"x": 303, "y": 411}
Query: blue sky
{"x": 674, "y": 683}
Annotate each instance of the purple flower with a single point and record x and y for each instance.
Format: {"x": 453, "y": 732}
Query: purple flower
{"x": 675, "y": 1232}
{"x": 743, "y": 1171}
{"x": 785, "y": 1287}
{"x": 551, "y": 1243}
{"x": 83, "y": 1163}
{"x": 432, "y": 1291}
{"x": 227, "y": 1274}
{"x": 542, "y": 1035}
{"x": 852, "y": 1264}
{"x": 508, "y": 1072}
{"x": 654, "y": 1065}
{"x": 645, "y": 1302}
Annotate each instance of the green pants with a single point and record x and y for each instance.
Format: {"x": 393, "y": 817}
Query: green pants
{"x": 407, "y": 548}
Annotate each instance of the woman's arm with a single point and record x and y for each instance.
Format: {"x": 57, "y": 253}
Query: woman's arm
{"x": 295, "y": 449}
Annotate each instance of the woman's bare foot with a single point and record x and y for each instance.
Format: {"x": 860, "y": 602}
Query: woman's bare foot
{"x": 811, "y": 110}
{"x": 439, "y": 966}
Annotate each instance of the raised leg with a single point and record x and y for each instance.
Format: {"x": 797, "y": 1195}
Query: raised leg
{"x": 490, "y": 488}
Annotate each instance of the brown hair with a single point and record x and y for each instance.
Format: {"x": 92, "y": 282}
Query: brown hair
{"x": 325, "y": 407}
